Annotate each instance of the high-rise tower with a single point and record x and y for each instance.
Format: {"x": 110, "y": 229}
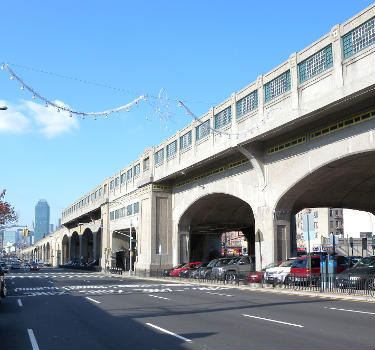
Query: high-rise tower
{"x": 41, "y": 220}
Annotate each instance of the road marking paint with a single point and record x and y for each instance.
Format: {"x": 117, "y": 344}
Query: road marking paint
{"x": 19, "y": 302}
{"x": 225, "y": 295}
{"x": 360, "y": 312}
{"x": 95, "y": 301}
{"x": 156, "y": 296}
{"x": 268, "y": 319}
{"x": 34, "y": 344}
{"x": 169, "y": 332}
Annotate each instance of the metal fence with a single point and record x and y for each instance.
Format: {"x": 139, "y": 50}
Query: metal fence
{"x": 332, "y": 284}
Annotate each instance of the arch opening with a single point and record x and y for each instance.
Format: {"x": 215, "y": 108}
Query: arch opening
{"x": 204, "y": 225}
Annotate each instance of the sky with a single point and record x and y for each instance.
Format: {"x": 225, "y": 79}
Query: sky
{"x": 96, "y": 55}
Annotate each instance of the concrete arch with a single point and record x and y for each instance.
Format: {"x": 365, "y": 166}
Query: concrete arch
{"x": 345, "y": 182}
{"x": 65, "y": 249}
{"x": 204, "y": 221}
{"x": 75, "y": 247}
{"x": 87, "y": 245}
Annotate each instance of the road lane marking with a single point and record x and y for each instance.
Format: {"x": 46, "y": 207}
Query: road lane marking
{"x": 268, "y": 319}
{"x": 224, "y": 295}
{"x": 156, "y": 296}
{"x": 360, "y": 312}
{"x": 34, "y": 344}
{"x": 95, "y": 301}
{"x": 169, "y": 332}
{"x": 19, "y": 302}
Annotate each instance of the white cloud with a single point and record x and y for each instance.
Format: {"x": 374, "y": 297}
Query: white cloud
{"x": 12, "y": 121}
{"x": 51, "y": 122}
{"x": 30, "y": 116}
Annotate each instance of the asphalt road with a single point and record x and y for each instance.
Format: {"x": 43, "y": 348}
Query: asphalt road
{"x": 65, "y": 309}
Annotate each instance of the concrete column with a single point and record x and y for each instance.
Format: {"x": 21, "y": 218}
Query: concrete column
{"x": 337, "y": 54}
{"x": 234, "y": 120}
{"x": 94, "y": 245}
{"x": 294, "y": 83}
{"x": 70, "y": 248}
{"x": 80, "y": 248}
{"x": 260, "y": 97}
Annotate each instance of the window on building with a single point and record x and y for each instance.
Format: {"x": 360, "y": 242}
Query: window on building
{"x": 105, "y": 188}
{"x": 111, "y": 185}
{"x": 129, "y": 174}
{"x": 122, "y": 212}
{"x": 337, "y": 223}
{"x": 159, "y": 156}
{"x": 146, "y": 164}
{"x": 202, "y": 130}
{"x": 316, "y": 234}
{"x": 223, "y": 118}
{"x": 137, "y": 169}
{"x": 185, "y": 140}
{"x": 330, "y": 212}
{"x": 100, "y": 191}
{"x": 117, "y": 214}
{"x": 112, "y": 215}
{"x": 331, "y": 224}
{"x": 123, "y": 178}
{"x": 172, "y": 149}
{"x": 117, "y": 181}
{"x": 336, "y": 212}
{"x": 136, "y": 208}
{"x": 277, "y": 86}
{"x": 315, "y": 64}
{"x": 315, "y": 214}
{"x": 129, "y": 210}
{"x": 315, "y": 224}
{"x": 247, "y": 104}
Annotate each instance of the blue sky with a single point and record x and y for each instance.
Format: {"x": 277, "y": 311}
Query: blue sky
{"x": 198, "y": 51}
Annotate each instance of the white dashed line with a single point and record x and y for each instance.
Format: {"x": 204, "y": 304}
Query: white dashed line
{"x": 360, "y": 312}
{"x": 156, "y": 296}
{"x": 34, "y": 344}
{"x": 268, "y": 319}
{"x": 224, "y": 295}
{"x": 95, "y": 301}
{"x": 19, "y": 303}
{"x": 169, "y": 332}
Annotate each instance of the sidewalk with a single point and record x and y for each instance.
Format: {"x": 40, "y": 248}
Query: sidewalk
{"x": 257, "y": 288}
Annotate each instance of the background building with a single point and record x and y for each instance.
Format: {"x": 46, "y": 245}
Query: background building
{"x": 320, "y": 223}
{"x": 42, "y": 214}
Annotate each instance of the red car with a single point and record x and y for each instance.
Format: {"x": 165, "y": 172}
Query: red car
{"x": 300, "y": 269}
{"x": 176, "y": 272}
{"x": 256, "y": 277}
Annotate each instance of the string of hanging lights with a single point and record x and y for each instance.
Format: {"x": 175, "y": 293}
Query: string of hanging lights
{"x": 83, "y": 114}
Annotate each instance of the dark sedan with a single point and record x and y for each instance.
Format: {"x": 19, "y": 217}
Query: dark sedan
{"x": 360, "y": 276}
{"x": 3, "y": 286}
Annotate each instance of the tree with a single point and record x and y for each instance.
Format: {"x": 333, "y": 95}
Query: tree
{"x": 7, "y": 213}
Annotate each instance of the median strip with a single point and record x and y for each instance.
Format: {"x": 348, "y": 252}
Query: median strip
{"x": 168, "y": 332}
{"x": 270, "y": 320}
{"x": 360, "y": 312}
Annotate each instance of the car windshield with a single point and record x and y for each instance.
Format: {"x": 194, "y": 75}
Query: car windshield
{"x": 368, "y": 262}
{"x": 233, "y": 261}
{"x": 286, "y": 263}
{"x": 212, "y": 263}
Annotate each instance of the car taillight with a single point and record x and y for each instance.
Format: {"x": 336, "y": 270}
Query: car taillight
{"x": 307, "y": 270}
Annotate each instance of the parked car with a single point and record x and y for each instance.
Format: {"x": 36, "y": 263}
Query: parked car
{"x": 15, "y": 265}
{"x": 177, "y": 271}
{"x": 217, "y": 270}
{"x": 3, "y": 286}
{"x": 277, "y": 274}
{"x": 360, "y": 276}
{"x": 187, "y": 273}
{"x": 34, "y": 266}
{"x": 204, "y": 270}
{"x": 237, "y": 267}
{"x": 167, "y": 271}
{"x": 300, "y": 272}
{"x": 4, "y": 267}
{"x": 257, "y": 276}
